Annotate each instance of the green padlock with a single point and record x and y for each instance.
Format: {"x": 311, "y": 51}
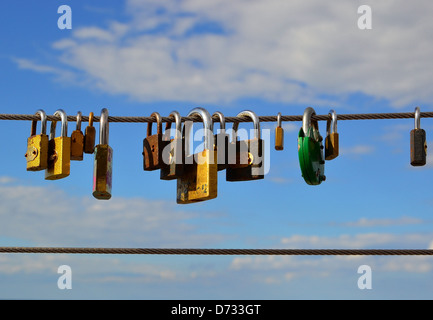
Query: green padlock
{"x": 310, "y": 150}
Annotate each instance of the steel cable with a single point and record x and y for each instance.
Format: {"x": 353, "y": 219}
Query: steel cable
{"x": 157, "y": 251}
{"x": 366, "y": 116}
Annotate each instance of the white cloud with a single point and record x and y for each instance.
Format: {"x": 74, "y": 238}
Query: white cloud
{"x": 364, "y": 222}
{"x": 56, "y": 219}
{"x": 277, "y": 50}
{"x": 357, "y": 150}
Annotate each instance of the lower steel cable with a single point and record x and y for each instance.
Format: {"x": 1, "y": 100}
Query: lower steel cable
{"x": 156, "y": 251}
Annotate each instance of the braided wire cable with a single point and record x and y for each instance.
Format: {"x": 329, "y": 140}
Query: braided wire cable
{"x": 168, "y": 251}
{"x": 355, "y": 116}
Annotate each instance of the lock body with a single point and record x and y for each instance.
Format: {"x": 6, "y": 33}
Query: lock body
{"x": 173, "y": 160}
{"x": 103, "y": 172}
{"x": 249, "y": 153}
{"x": 199, "y": 181}
{"x": 37, "y": 152}
{"x": 59, "y": 158}
{"x": 279, "y": 138}
{"x": 418, "y": 147}
{"x": 77, "y": 145}
{"x": 331, "y": 146}
{"x": 153, "y": 147}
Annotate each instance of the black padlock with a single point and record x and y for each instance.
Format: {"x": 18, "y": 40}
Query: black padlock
{"x": 418, "y": 143}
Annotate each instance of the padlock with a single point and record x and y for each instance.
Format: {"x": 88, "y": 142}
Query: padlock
{"x": 221, "y": 143}
{"x": 331, "y": 140}
{"x": 199, "y": 181}
{"x": 418, "y": 143}
{"x": 59, "y": 150}
{"x": 310, "y": 150}
{"x": 77, "y": 141}
{"x": 37, "y": 145}
{"x": 279, "y": 134}
{"x": 103, "y": 165}
{"x": 254, "y": 169}
{"x": 90, "y": 136}
{"x": 153, "y": 146}
{"x": 172, "y": 154}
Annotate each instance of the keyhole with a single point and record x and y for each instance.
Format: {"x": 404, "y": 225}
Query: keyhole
{"x": 153, "y": 148}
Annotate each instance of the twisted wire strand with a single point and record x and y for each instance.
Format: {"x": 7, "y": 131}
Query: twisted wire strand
{"x": 156, "y": 251}
{"x": 366, "y": 116}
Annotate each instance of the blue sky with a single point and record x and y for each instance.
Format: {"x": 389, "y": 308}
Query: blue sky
{"x": 136, "y": 57}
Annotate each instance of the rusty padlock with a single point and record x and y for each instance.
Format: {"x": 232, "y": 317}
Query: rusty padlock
{"x": 153, "y": 146}
{"x": 77, "y": 141}
{"x": 418, "y": 143}
{"x": 255, "y": 168}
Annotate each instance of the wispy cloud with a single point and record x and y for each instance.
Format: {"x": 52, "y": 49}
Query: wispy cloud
{"x": 364, "y": 222}
{"x": 357, "y": 150}
{"x": 166, "y": 52}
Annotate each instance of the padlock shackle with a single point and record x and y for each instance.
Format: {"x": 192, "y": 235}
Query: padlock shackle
{"x": 103, "y": 127}
{"x": 222, "y": 120}
{"x": 91, "y": 119}
{"x": 178, "y": 121}
{"x": 79, "y": 117}
{"x": 306, "y": 120}
{"x": 43, "y": 123}
{"x": 331, "y": 124}
{"x": 256, "y": 123}
{"x": 417, "y": 118}
{"x": 279, "y": 119}
{"x": 159, "y": 124}
{"x": 207, "y": 125}
{"x": 64, "y": 119}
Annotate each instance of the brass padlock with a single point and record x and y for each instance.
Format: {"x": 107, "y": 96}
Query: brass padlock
{"x": 153, "y": 145}
{"x": 255, "y": 168}
{"x": 103, "y": 165}
{"x": 331, "y": 140}
{"x": 37, "y": 145}
{"x": 59, "y": 150}
{"x": 221, "y": 143}
{"x": 77, "y": 141}
{"x": 172, "y": 154}
{"x": 279, "y": 134}
{"x": 418, "y": 142}
{"x": 90, "y": 136}
{"x": 199, "y": 181}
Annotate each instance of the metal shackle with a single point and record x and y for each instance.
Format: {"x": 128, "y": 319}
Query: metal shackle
{"x": 417, "y": 118}
{"x": 331, "y": 124}
{"x": 178, "y": 124}
{"x": 103, "y": 127}
{"x": 256, "y": 124}
{"x": 158, "y": 122}
{"x": 222, "y": 121}
{"x": 43, "y": 123}
{"x": 306, "y": 120}
{"x": 279, "y": 119}
{"x": 79, "y": 117}
{"x": 64, "y": 119}
{"x": 207, "y": 125}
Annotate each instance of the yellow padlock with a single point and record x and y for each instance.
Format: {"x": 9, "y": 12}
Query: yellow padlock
{"x": 37, "y": 145}
{"x": 59, "y": 150}
{"x": 199, "y": 181}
